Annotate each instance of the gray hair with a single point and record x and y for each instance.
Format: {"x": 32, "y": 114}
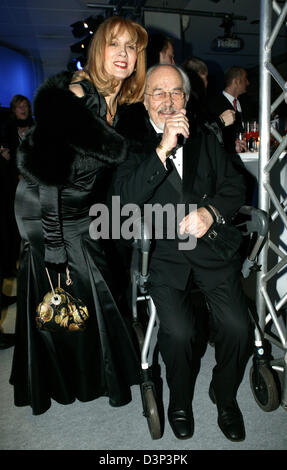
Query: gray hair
{"x": 184, "y": 77}
{"x": 195, "y": 64}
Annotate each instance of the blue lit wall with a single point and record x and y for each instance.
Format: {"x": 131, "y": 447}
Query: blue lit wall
{"x": 19, "y": 75}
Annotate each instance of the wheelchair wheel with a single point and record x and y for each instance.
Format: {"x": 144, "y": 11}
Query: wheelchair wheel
{"x": 151, "y": 413}
{"x": 264, "y": 388}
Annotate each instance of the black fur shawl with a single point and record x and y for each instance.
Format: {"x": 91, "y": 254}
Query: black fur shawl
{"x": 67, "y": 134}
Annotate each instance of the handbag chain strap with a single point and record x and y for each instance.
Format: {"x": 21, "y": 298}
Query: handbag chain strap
{"x": 68, "y": 279}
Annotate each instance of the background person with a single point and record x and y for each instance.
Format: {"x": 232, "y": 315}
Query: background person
{"x": 20, "y": 121}
{"x": 159, "y": 50}
{"x": 197, "y": 105}
{"x": 235, "y": 84}
{"x": 13, "y": 131}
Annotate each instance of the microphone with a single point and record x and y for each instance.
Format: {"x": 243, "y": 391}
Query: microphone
{"x": 180, "y": 143}
{"x": 180, "y": 140}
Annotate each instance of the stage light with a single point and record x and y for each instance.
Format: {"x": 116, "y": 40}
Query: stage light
{"x": 229, "y": 42}
{"x": 76, "y": 64}
{"x": 89, "y": 25}
{"x": 84, "y": 29}
{"x": 94, "y": 22}
{"x": 79, "y": 65}
{"x": 79, "y": 29}
{"x": 81, "y": 46}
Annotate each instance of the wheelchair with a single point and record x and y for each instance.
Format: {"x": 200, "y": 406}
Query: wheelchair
{"x": 268, "y": 374}
{"x": 254, "y": 226}
{"x": 141, "y": 298}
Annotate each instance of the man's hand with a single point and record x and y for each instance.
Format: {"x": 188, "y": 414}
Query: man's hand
{"x": 175, "y": 124}
{"x": 240, "y": 145}
{"x": 228, "y": 117}
{"x": 196, "y": 223}
{"x": 5, "y": 153}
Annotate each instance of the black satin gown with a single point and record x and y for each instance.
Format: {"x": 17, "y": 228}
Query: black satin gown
{"x": 64, "y": 366}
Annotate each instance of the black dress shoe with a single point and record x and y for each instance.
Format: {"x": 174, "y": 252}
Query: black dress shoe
{"x": 182, "y": 423}
{"x": 230, "y": 419}
{"x": 6, "y": 340}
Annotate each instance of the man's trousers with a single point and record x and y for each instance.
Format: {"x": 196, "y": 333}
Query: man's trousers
{"x": 182, "y": 337}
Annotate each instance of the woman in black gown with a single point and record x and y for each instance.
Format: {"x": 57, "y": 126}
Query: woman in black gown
{"x": 66, "y": 162}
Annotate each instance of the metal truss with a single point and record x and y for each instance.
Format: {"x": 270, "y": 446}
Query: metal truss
{"x": 272, "y": 198}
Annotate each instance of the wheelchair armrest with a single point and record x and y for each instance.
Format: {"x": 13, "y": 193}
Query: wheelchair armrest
{"x": 142, "y": 240}
{"x": 145, "y": 237}
{"x": 142, "y": 243}
{"x": 258, "y": 222}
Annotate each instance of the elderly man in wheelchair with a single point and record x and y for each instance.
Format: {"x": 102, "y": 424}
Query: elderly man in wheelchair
{"x": 200, "y": 181}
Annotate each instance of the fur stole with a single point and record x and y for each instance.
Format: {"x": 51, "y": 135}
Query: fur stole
{"x": 67, "y": 134}
{"x": 134, "y": 124}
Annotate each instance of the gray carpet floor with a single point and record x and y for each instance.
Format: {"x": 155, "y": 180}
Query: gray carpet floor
{"x": 98, "y": 426}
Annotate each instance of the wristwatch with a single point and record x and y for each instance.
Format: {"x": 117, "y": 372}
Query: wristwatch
{"x": 215, "y": 215}
{"x": 167, "y": 152}
{"x": 222, "y": 121}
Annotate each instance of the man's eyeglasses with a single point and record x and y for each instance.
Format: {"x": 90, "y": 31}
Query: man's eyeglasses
{"x": 162, "y": 95}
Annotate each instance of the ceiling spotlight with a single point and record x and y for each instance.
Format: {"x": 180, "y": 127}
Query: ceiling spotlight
{"x": 81, "y": 46}
{"x": 87, "y": 26}
{"x": 227, "y": 24}
{"x": 76, "y": 64}
{"x": 94, "y": 22}
{"x": 229, "y": 42}
{"x": 79, "y": 29}
{"x": 85, "y": 29}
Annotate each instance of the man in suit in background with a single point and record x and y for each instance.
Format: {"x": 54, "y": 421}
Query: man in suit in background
{"x": 203, "y": 174}
{"x": 236, "y": 83}
{"x": 159, "y": 50}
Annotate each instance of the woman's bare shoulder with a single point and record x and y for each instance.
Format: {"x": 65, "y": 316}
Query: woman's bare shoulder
{"x": 77, "y": 89}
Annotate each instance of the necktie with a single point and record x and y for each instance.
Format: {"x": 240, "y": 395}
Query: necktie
{"x": 235, "y": 104}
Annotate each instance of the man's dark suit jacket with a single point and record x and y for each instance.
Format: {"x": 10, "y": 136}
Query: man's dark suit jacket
{"x": 217, "y": 106}
{"x": 142, "y": 178}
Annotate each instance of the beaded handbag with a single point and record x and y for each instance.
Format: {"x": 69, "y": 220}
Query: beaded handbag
{"x": 59, "y": 311}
